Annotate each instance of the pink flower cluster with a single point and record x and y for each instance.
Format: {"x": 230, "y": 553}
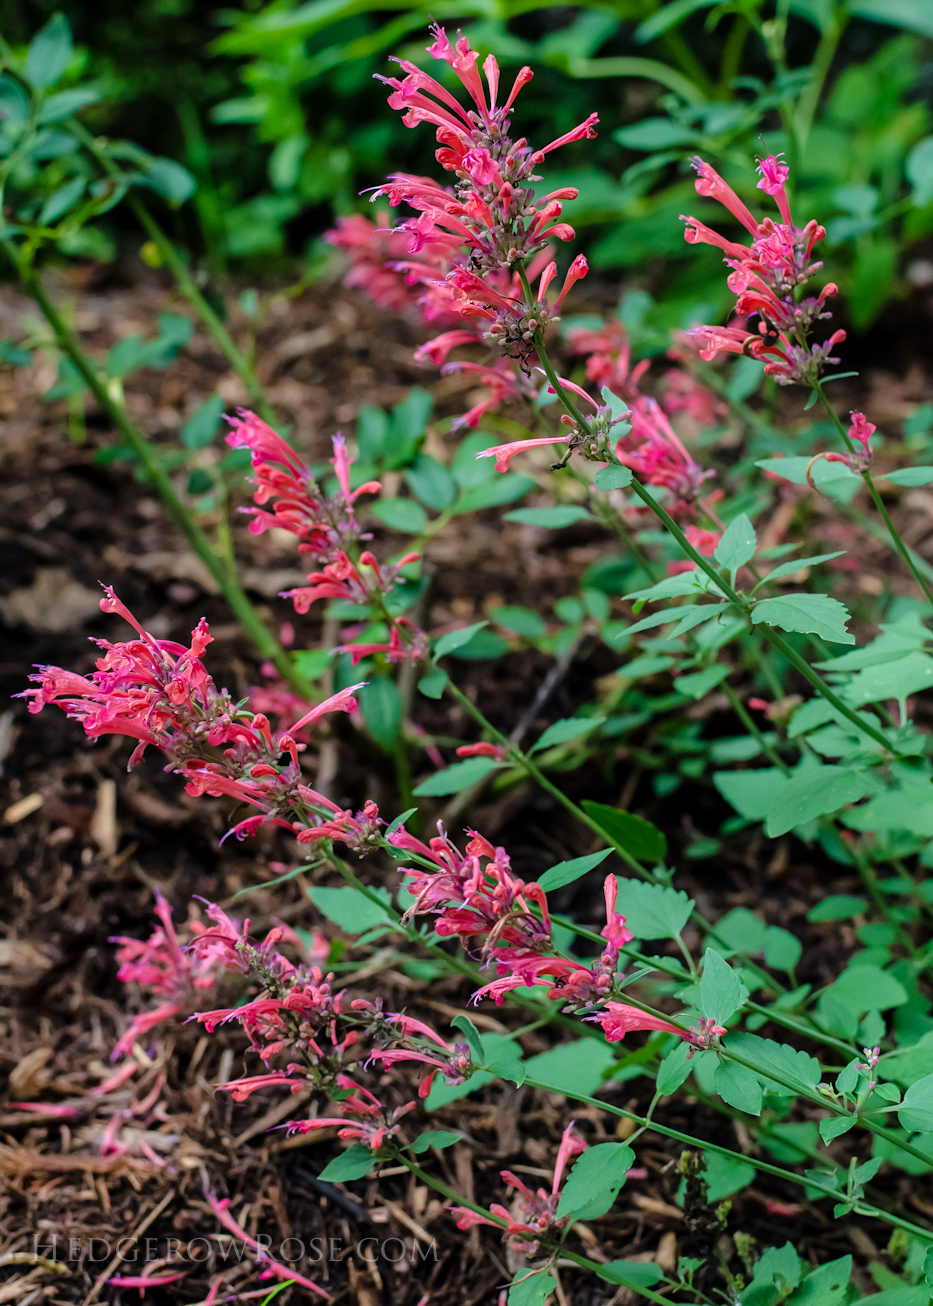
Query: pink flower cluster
{"x": 160, "y": 693}
{"x": 765, "y": 277}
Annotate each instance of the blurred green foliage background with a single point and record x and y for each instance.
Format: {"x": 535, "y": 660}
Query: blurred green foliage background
{"x": 274, "y": 110}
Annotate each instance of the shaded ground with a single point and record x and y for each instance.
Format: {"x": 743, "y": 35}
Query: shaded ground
{"x": 74, "y": 874}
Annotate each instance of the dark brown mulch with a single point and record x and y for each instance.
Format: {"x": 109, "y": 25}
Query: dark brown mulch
{"x": 73, "y": 879}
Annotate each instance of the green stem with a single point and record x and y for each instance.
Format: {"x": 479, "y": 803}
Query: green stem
{"x": 225, "y": 577}
{"x": 742, "y": 713}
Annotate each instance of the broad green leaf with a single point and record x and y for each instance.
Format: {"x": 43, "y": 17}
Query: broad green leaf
{"x": 520, "y": 621}
{"x": 561, "y": 732}
{"x": 66, "y": 103}
{"x": 653, "y": 911}
{"x": 381, "y": 706}
{"x": 796, "y": 1069}
{"x": 566, "y": 872}
{"x": 459, "y": 776}
{"x": 919, "y": 169}
{"x": 892, "y": 679}
{"x": 170, "y": 180}
{"x": 631, "y": 1274}
{"x": 867, "y": 988}
{"x": 640, "y": 838}
{"x": 835, "y": 1127}
{"x": 49, "y": 53}
{"x": 837, "y": 907}
{"x": 354, "y": 1163}
{"x": 654, "y": 134}
{"x": 594, "y": 1182}
{"x": 572, "y": 1067}
{"x": 738, "y": 1087}
{"x": 737, "y": 545}
{"x": 493, "y": 494}
{"x": 908, "y": 807}
{"x": 439, "y": 1138}
{"x": 352, "y": 910}
{"x": 721, "y": 990}
{"x": 668, "y": 16}
{"x": 916, "y": 1110}
{"x": 431, "y": 482}
{"x": 432, "y": 685}
{"x": 613, "y": 478}
{"x": 697, "y": 684}
{"x": 14, "y": 354}
{"x": 827, "y": 1285}
{"x": 409, "y": 419}
{"x": 741, "y": 930}
{"x": 751, "y": 793}
{"x": 914, "y": 15}
{"x": 405, "y": 515}
{"x": 455, "y": 639}
{"x": 564, "y": 514}
{"x": 776, "y": 1273}
{"x": 674, "y": 1069}
{"x": 790, "y": 568}
{"x": 726, "y": 1175}
{"x": 485, "y": 644}
{"x": 201, "y": 426}
{"x": 810, "y": 614}
{"x": 783, "y": 950}
{"x": 468, "y": 470}
{"x": 531, "y": 1288}
{"x": 911, "y": 476}
{"x": 835, "y": 480}
{"x": 494, "y": 1047}
{"x": 815, "y": 791}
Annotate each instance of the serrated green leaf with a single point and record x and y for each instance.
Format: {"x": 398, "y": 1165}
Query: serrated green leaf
{"x": 814, "y": 791}
{"x": 674, "y": 1070}
{"x": 354, "y": 1163}
{"x": 439, "y": 1138}
{"x": 530, "y": 1288}
{"x": 721, "y": 990}
{"x": 353, "y": 911}
{"x": 595, "y": 1180}
{"x": 561, "y": 732}
{"x": 455, "y": 639}
{"x": 471, "y": 1034}
{"x": 653, "y": 911}
{"x": 737, "y": 545}
{"x": 404, "y": 515}
{"x": 613, "y": 478}
{"x": 910, "y": 476}
{"x": 809, "y": 614}
{"x": 494, "y": 494}
{"x": 738, "y": 1087}
{"x": 431, "y": 482}
{"x": 791, "y": 568}
{"x": 576, "y": 1067}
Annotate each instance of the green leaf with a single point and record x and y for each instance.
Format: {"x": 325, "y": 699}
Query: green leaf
{"x": 354, "y": 1163}
{"x": 471, "y": 1034}
{"x": 521, "y": 621}
{"x": 468, "y": 470}
{"x": 726, "y": 1175}
{"x": 914, "y": 15}
{"x": 352, "y": 910}
{"x": 457, "y": 777}
{"x": 405, "y": 515}
{"x": 66, "y": 103}
{"x": 867, "y": 988}
{"x": 431, "y": 482}
{"x": 919, "y": 170}
{"x": 826, "y": 1285}
{"x": 613, "y": 478}
{"x": 439, "y": 1138}
{"x": 62, "y": 200}
{"x": 668, "y": 16}
{"x": 566, "y": 872}
{"x": 531, "y": 1289}
{"x": 814, "y": 791}
{"x": 721, "y": 990}
{"x": 654, "y": 134}
{"x": 837, "y": 907}
{"x": 833, "y": 479}
{"x": 409, "y": 419}
{"x": 561, "y": 732}
{"x": 783, "y": 950}
{"x": 741, "y": 930}
{"x": 70, "y": 382}
{"x": 485, "y": 644}
{"x": 835, "y": 1127}
{"x": 493, "y": 494}
{"x": 432, "y": 685}
{"x": 911, "y": 475}
{"x": 738, "y": 1087}
{"x": 201, "y": 426}
{"x": 14, "y": 355}
{"x": 576, "y": 1067}
{"x": 674, "y": 1070}
{"x": 737, "y": 545}
{"x": 455, "y": 639}
{"x": 916, "y": 1110}
{"x": 552, "y": 518}
{"x": 847, "y": 1079}
{"x": 641, "y": 839}
{"x": 594, "y": 1182}
{"x": 893, "y": 678}
{"x": 653, "y": 911}
{"x": 381, "y": 705}
{"x": 631, "y": 1274}
{"x": 494, "y": 1046}
{"x": 170, "y": 180}
{"x": 49, "y": 53}
{"x": 751, "y": 793}
{"x": 815, "y": 614}
{"x": 798, "y": 1069}
{"x": 699, "y": 683}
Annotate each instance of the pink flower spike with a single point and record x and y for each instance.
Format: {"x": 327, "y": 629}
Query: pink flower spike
{"x": 343, "y": 701}
{"x": 861, "y": 430}
{"x": 774, "y": 175}
{"x": 503, "y": 453}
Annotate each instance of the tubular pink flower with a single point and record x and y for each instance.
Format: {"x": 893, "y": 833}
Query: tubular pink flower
{"x": 436, "y": 350}
{"x": 576, "y": 272}
{"x": 584, "y": 131}
{"x": 774, "y": 174}
{"x": 142, "y": 1282}
{"x": 570, "y": 1146}
{"x": 482, "y": 750}
{"x": 504, "y": 453}
{"x": 697, "y": 233}
{"x": 861, "y": 430}
{"x": 710, "y": 184}
{"x": 620, "y": 1019}
{"x": 240, "y": 1089}
{"x": 342, "y": 701}
{"x": 272, "y": 1267}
